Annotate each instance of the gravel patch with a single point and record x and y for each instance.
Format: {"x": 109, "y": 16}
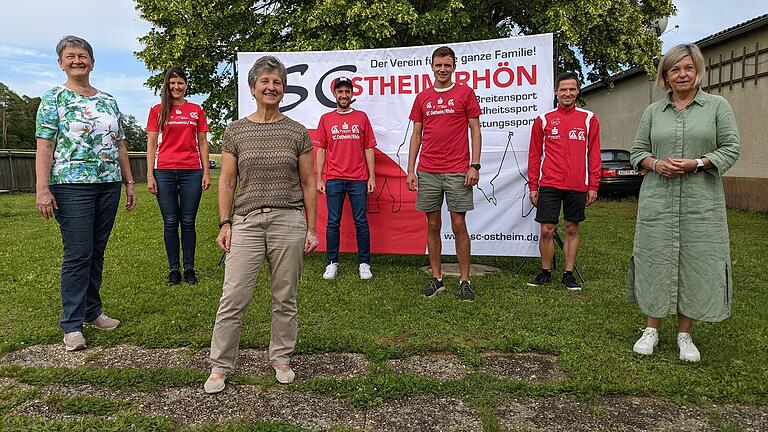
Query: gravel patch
{"x": 523, "y": 366}
{"x": 748, "y": 418}
{"x": 49, "y": 356}
{"x": 38, "y": 408}
{"x": 424, "y": 413}
{"x": 309, "y": 410}
{"x": 247, "y": 403}
{"x": 11, "y": 383}
{"x": 650, "y": 414}
{"x": 13, "y": 386}
{"x": 249, "y": 361}
{"x": 442, "y": 366}
{"x": 129, "y": 356}
{"x": 49, "y": 411}
{"x": 329, "y": 365}
{"x": 607, "y": 414}
{"x": 190, "y": 406}
{"x": 548, "y": 414}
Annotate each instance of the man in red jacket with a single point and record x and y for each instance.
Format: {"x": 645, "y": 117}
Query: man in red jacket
{"x": 563, "y": 169}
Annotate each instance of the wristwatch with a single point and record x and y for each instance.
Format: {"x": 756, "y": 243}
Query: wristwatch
{"x": 225, "y": 222}
{"x": 699, "y": 165}
{"x": 475, "y": 166}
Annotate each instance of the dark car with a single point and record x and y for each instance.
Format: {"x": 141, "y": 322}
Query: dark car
{"x": 211, "y": 163}
{"x": 619, "y": 177}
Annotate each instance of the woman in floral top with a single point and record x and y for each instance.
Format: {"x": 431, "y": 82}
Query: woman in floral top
{"x": 81, "y": 161}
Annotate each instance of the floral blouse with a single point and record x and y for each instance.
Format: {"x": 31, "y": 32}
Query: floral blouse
{"x": 85, "y": 130}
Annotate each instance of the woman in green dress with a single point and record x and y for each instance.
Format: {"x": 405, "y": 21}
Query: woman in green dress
{"x": 681, "y": 261}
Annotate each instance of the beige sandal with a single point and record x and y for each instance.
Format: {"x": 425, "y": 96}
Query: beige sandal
{"x": 284, "y": 377}
{"x": 214, "y": 385}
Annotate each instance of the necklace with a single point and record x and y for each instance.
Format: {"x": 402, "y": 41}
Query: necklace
{"x": 681, "y": 103}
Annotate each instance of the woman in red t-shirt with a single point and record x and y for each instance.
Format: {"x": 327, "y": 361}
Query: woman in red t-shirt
{"x": 177, "y": 169}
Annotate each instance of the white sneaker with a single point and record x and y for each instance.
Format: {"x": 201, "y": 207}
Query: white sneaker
{"x": 74, "y": 341}
{"x": 647, "y": 341}
{"x": 365, "y": 271}
{"x": 330, "y": 271}
{"x": 688, "y": 351}
{"x": 103, "y": 322}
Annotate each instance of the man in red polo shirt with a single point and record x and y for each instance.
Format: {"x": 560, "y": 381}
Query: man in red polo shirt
{"x": 441, "y": 115}
{"x": 345, "y": 150}
{"x": 563, "y": 169}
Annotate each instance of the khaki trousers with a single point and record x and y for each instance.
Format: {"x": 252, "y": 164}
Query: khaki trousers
{"x": 277, "y": 234}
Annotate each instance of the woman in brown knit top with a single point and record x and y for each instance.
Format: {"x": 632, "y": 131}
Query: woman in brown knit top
{"x": 270, "y": 157}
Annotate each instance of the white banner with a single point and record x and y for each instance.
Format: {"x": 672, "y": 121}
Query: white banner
{"x": 513, "y": 81}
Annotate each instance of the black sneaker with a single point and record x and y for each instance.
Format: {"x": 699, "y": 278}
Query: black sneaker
{"x": 465, "y": 292}
{"x": 542, "y": 279}
{"x": 174, "y": 277}
{"x": 434, "y": 286}
{"x": 570, "y": 282}
{"x": 190, "y": 277}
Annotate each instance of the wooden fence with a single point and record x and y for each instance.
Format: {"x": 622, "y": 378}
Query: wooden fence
{"x": 17, "y": 169}
{"x": 740, "y": 69}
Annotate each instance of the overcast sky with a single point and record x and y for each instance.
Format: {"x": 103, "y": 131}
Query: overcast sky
{"x": 30, "y": 29}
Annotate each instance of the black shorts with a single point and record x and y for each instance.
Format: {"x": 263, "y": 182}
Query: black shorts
{"x": 548, "y": 206}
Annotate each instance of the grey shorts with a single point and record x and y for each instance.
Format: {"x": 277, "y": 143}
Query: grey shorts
{"x": 432, "y": 188}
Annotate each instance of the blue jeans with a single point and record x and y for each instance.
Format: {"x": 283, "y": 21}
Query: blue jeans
{"x": 86, "y": 214}
{"x": 178, "y": 194}
{"x": 358, "y": 198}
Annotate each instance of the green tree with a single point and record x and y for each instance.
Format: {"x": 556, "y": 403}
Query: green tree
{"x": 17, "y": 119}
{"x": 203, "y": 37}
{"x": 135, "y": 135}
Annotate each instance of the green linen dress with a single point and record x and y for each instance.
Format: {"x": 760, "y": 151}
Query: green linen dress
{"x": 681, "y": 259}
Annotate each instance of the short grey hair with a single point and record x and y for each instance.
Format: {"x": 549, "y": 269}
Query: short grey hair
{"x": 73, "y": 41}
{"x": 674, "y": 55}
{"x": 267, "y": 64}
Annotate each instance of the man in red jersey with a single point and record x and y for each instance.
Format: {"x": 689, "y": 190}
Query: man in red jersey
{"x": 440, "y": 116}
{"x": 563, "y": 168}
{"x": 345, "y": 149}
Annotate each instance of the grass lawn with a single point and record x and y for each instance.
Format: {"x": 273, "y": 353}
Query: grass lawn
{"x": 592, "y": 331}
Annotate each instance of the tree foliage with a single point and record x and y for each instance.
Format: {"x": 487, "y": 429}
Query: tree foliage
{"x": 135, "y": 135}
{"x": 203, "y": 37}
{"x": 17, "y": 119}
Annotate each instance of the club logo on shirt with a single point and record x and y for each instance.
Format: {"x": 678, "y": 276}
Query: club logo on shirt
{"x": 555, "y": 121}
{"x": 344, "y": 133}
{"x": 440, "y": 107}
{"x": 193, "y": 114}
{"x": 577, "y": 134}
